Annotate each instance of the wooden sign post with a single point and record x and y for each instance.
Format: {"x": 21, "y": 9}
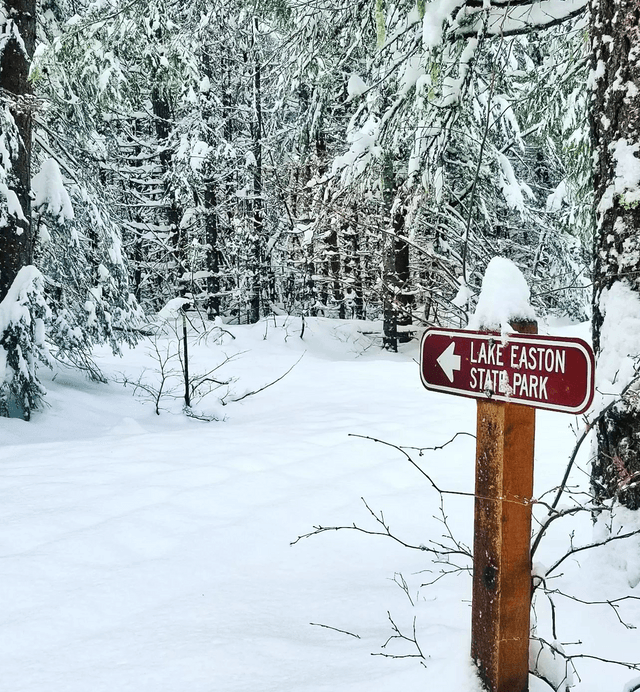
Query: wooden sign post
{"x": 500, "y": 615}
{"x": 509, "y": 378}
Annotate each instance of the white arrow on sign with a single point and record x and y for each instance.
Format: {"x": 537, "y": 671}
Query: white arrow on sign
{"x": 448, "y": 361}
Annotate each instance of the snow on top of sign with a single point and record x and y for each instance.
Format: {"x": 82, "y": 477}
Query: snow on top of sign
{"x": 504, "y": 297}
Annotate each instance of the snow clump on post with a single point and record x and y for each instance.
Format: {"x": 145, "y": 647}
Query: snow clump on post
{"x": 504, "y": 298}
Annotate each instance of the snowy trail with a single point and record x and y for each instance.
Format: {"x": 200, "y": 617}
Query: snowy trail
{"x": 153, "y": 553}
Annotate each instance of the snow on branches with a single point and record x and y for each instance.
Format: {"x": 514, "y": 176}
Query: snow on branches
{"x": 22, "y": 327}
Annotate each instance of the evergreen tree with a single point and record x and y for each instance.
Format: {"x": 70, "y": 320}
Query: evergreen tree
{"x": 18, "y": 27}
{"x": 22, "y": 308}
{"x": 463, "y": 162}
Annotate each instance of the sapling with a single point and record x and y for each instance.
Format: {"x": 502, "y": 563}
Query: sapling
{"x": 174, "y": 378}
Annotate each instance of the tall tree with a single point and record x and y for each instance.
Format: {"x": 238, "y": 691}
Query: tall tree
{"x": 22, "y": 306}
{"x": 452, "y": 120}
{"x": 75, "y": 241}
{"x": 615, "y": 122}
{"x": 18, "y": 28}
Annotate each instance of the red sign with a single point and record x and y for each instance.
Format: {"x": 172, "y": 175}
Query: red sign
{"x": 549, "y": 372}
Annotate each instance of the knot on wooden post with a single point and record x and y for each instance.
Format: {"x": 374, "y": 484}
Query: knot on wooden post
{"x": 490, "y": 577}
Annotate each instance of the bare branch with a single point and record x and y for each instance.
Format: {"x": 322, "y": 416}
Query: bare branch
{"x": 441, "y": 553}
{"x": 553, "y": 514}
{"x": 461, "y": 493}
{"x": 437, "y": 448}
{"x": 335, "y": 629}
{"x": 612, "y": 603}
{"x": 399, "y": 635}
{"x": 592, "y": 657}
{"x": 266, "y": 386}
{"x": 596, "y": 544}
{"x": 413, "y": 463}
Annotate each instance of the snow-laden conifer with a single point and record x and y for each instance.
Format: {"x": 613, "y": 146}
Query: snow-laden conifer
{"x": 23, "y": 315}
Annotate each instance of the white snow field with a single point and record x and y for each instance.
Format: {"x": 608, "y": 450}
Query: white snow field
{"x": 151, "y": 553}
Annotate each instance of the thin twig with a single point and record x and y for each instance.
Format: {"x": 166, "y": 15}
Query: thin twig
{"x": 597, "y": 544}
{"x": 460, "y": 493}
{"x": 553, "y": 514}
{"x": 266, "y": 386}
{"x": 437, "y": 448}
{"x": 335, "y": 629}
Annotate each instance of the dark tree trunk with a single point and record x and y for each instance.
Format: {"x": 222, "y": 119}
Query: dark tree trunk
{"x": 615, "y": 124}
{"x": 16, "y": 235}
{"x": 353, "y": 268}
{"x": 404, "y": 298}
{"x": 213, "y": 256}
{"x": 257, "y": 250}
{"x": 333, "y": 273}
{"x": 357, "y": 270}
{"x": 396, "y": 271}
{"x": 137, "y": 263}
{"x": 397, "y": 275}
{"x": 163, "y": 121}
{"x": 389, "y": 313}
{"x": 211, "y": 205}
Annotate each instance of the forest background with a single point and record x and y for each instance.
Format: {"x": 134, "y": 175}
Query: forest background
{"x": 344, "y": 159}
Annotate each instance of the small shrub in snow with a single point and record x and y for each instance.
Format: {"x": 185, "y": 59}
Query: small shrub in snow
{"x": 22, "y": 326}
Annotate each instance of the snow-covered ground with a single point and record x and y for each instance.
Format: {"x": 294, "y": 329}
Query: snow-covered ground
{"x": 152, "y": 553}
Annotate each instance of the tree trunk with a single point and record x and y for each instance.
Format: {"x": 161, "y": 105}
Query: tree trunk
{"x": 615, "y": 124}
{"x": 402, "y": 276}
{"x": 16, "y": 234}
{"x": 353, "y": 268}
{"x": 213, "y": 256}
{"x": 389, "y": 312}
{"x": 257, "y": 250}
{"x": 396, "y": 270}
{"x": 210, "y": 203}
{"x": 163, "y": 119}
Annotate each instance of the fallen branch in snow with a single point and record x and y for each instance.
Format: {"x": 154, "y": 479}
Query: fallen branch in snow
{"x": 335, "y": 629}
{"x": 266, "y": 386}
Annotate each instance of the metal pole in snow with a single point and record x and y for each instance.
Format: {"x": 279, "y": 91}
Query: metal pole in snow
{"x": 187, "y": 395}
